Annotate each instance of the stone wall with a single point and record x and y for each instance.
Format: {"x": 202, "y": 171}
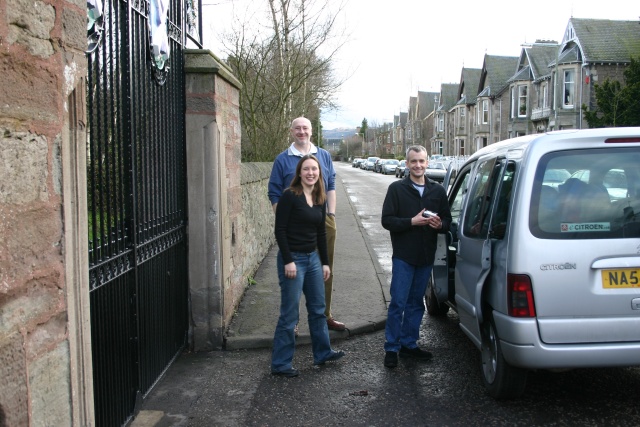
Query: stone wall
{"x": 42, "y": 64}
{"x": 255, "y": 223}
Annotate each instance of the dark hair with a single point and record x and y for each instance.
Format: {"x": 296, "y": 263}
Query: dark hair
{"x": 319, "y": 196}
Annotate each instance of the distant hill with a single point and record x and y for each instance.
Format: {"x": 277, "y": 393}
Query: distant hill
{"x": 337, "y": 133}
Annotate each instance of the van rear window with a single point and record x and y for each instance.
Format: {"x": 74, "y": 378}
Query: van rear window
{"x": 587, "y": 194}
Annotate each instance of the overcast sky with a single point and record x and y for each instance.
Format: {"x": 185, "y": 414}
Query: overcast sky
{"x": 398, "y": 47}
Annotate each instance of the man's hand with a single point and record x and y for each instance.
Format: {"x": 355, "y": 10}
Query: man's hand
{"x": 433, "y": 221}
{"x": 326, "y": 272}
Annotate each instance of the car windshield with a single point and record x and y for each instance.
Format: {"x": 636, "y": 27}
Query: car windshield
{"x": 437, "y": 165}
{"x": 392, "y": 162}
{"x": 598, "y": 198}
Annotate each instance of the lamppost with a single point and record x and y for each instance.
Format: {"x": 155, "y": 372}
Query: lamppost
{"x": 357, "y": 134}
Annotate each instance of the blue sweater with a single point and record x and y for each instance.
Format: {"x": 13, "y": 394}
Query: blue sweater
{"x": 284, "y": 168}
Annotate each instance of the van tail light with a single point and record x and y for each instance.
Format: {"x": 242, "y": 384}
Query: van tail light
{"x": 520, "y": 296}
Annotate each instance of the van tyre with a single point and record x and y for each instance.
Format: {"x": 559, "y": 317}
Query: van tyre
{"x": 433, "y": 307}
{"x": 501, "y": 380}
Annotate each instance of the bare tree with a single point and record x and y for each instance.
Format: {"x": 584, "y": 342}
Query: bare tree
{"x": 284, "y": 62}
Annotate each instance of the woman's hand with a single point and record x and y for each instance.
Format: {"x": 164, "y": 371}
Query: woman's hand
{"x": 290, "y": 270}
{"x": 326, "y": 272}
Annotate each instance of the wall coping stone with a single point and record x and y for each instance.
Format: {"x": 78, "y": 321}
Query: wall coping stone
{"x": 204, "y": 61}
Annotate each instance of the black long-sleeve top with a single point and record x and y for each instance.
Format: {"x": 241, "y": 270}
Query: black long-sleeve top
{"x": 300, "y": 227}
{"x": 415, "y": 245}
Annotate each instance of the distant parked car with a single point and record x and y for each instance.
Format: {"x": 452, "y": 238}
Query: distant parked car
{"x": 400, "y": 170}
{"x": 389, "y": 166}
{"x": 436, "y": 171}
{"x": 368, "y": 165}
{"x": 377, "y": 166}
{"x": 356, "y": 162}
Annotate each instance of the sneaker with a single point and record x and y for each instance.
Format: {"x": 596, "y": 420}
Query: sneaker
{"x": 288, "y": 373}
{"x": 416, "y": 353}
{"x": 336, "y": 355}
{"x": 391, "y": 359}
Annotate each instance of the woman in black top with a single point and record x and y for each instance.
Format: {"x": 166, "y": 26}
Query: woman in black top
{"x": 303, "y": 266}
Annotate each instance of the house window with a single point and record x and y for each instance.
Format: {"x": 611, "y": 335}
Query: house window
{"x": 439, "y": 147}
{"x": 485, "y": 111}
{"x": 569, "y": 89}
{"x": 545, "y": 95}
{"x": 440, "y": 122}
{"x": 522, "y": 101}
{"x": 461, "y": 148}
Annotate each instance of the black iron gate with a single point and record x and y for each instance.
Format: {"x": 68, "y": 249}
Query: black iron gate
{"x": 136, "y": 197}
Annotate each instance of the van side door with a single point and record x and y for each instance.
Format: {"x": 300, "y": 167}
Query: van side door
{"x": 473, "y": 257}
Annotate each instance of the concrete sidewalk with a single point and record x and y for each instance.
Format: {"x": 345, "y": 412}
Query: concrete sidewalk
{"x": 360, "y": 294}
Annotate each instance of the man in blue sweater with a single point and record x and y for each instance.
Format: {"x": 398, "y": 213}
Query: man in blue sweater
{"x": 284, "y": 168}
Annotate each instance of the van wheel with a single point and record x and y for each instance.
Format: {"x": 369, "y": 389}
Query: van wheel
{"x": 433, "y": 307}
{"x": 501, "y": 380}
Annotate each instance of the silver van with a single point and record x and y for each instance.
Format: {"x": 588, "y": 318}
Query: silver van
{"x": 542, "y": 263}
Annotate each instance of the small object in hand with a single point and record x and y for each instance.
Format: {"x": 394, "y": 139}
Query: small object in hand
{"x": 428, "y": 214}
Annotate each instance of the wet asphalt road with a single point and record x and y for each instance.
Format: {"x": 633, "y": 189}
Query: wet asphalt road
{"x": 235, "y": 388}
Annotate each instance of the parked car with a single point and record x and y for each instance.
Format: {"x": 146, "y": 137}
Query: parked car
{"x": 377, "y": 166}
{"x": 368, "y": 165}
{"x": 436, "y": 171}
{"x": 356, "y": 162}
{"x": 544, "y": 277}
{"x": 388, "y": 166}
{"x": 400, "y": 170}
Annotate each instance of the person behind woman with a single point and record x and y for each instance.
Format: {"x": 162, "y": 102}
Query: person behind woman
{"x": 303, "y": 266}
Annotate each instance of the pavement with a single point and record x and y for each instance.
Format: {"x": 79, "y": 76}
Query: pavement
{"x": 360, "y": 290}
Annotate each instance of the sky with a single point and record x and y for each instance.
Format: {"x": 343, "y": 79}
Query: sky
{"x": 395, "y": 48}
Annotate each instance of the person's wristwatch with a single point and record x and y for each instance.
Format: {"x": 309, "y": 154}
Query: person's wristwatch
{"x": 332, "y": 214}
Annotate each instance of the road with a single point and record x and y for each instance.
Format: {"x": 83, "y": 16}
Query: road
{"x": 234, "y": 388}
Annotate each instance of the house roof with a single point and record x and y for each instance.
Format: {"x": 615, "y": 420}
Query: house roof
{"x": 403, "y": 119}
{"x": 448, "y": 96}
{"x": 496, "y": 72}
{"x": 426, "y": 103}
{"x": 539, "y": 56}
{"x": 604, "y": 40}
{"x": 468, "y": 88}
{"x": 413, "y": 103}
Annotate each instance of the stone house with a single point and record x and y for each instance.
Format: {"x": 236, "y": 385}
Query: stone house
{"x": 463, "y": 117}
{"x": 425, "y": 111}
{"x": 492, "y": 104}
{"x": 411, "y": 130}
{"x": 530, "y": 89}
{"x": 442, "y": 140}
{"x": 591, "y": 51}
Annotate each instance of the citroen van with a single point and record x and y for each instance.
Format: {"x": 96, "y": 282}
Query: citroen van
{"x": 542, "y": 262}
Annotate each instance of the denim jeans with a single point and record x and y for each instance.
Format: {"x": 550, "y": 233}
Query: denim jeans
{"x": 309, "y": 280}
{"x": 404, "y": 316}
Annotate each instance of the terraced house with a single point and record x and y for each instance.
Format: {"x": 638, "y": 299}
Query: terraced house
{"x": 542, "y": 89}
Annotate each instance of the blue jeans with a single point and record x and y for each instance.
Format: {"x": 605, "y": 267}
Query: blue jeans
{"x": 404, "y": 316}
{"x": 309, "y": 280}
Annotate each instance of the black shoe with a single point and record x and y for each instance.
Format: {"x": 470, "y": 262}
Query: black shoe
{"x": 289, "y": 373}
{"x": 334, "y": 356}
{"x": 391, "y": 359}
{"x": 416, "y": 353}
